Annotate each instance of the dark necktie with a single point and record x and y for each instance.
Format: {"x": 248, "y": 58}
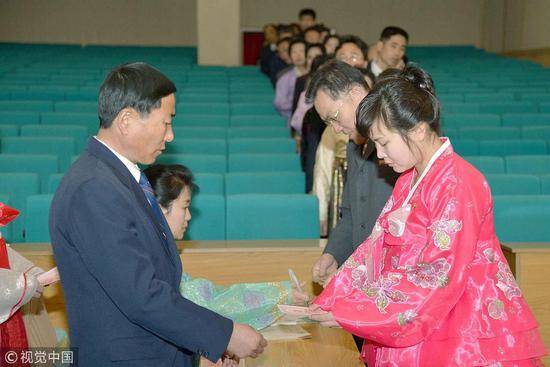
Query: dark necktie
{"x": 150, "y": 195}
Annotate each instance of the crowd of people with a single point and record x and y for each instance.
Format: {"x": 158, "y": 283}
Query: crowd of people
{"x": 412, "y": 268}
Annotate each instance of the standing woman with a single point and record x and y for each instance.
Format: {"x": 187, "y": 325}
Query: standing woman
{"x": 430, "y": 286}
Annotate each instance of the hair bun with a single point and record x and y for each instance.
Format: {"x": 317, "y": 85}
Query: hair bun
{"x": 419, "y": 78}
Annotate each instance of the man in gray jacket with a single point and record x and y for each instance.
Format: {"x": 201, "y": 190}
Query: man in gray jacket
{"x": 336, "y": 90}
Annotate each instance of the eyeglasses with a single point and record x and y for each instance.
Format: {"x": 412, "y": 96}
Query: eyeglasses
{"x": 349, "y": 58}
{"x": 333, "y": 119}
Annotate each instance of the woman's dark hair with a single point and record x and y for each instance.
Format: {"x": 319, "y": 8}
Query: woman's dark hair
{"x": 320, "y": 46}
{"x": 137, "y": 85}
{"x": 168, "y": 181}
{"x": 400, "y": 99}
{"x": 296, "y": 41}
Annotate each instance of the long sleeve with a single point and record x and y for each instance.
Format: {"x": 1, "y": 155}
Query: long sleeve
{"x": 17, "y": 285}
{"x": 119, "y": 259}
{"x": 284, "y": 90}
{"x": 410, "y": 297}
{"x": 248, "y": 303}
{"x": 322, "y": 173}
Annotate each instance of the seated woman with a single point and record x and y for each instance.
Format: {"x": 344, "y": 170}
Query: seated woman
{"x": 250, "y": 303}
{"x": 430, "y": 286}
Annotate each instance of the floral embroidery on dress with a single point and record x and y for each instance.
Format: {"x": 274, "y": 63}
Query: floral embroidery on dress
{"x": 442, "y": 230}
{"x": 506, "y": 282}
{"x": 387, "y": 207}
{"x": 406, "y": 317}
{"x": 496, "y": 309}
{"x": 253, "y": 299}
{"x": 429, "y": 275}
{"x": 382, "y": 290}
{"x": 489, "y": 254}
{"x": 359, "y": 276}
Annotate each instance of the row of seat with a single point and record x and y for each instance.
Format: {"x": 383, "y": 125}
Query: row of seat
{"x": 215, "y": 217}
{"x": 460, "y": 120}
{"x": 500, "y": 147}
{"x": 499, "y": 132}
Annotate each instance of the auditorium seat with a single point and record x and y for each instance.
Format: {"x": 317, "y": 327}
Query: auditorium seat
{"x": 257, "y": 132}
{"x": 531, "y": 164}
{"x": 264, "y": 183}
{"x": 183, "y": 145}
{"x": 19, "y": 186}
{"x": 208, "y": 218}
{"x": 512, "y": 147}
{"x": 487, "y": 165}
{"x": 257, "y": 121}
{"x": 42, "y": 164}
{"x": 514, "y": 184}
{"x": 263, "y": 163}
{"x": 196, "y": 132}
{"x": 78, "y": 133}
{"x": 210, "y": 183}
{"x": 261, "y": 146}
{"x": 490, "y": 133}
{"x": 521, "y": 119}
{"x": 272, "y": 216}
{"x": 36, "y": 219}
{"x": 197, "y": 163}
{"x": 522, "y": 218}
{"x": 64, "y": 148}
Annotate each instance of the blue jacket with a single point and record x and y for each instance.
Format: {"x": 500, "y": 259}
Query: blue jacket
{"x": 120, "y": 273}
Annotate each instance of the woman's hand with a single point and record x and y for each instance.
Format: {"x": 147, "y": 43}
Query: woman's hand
{"x": 299, "y": 298}
{"x": 323, "y": 317}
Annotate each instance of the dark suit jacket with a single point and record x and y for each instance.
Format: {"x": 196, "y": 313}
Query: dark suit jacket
{"x": 368, "y": 186}
{"x": 120, "y": 273}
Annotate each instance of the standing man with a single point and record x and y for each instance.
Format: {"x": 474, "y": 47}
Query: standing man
{"x": 336, "y": 90}
{"x": 390, "y": 50}
{"x": 118, "y": 261}
{"x": 307, "y": 18}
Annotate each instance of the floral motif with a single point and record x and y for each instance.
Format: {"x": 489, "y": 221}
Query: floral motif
{"x": 489, "y": 254}
{"x": 442, "y": 230}
{"x": 382, "y": 290}
{"x": 388, "y": 206}
{"x": 506, "y": 282}
{"x": 359, "y": 276}
{"x": 429, "y": 275}
{"x": 406, "y": 317}
{"x": 253, "y": 299}
{"x": 496, "y": 309}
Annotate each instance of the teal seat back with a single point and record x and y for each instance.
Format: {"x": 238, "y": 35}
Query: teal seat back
{"x": 514, "y": 184}
{"x": 272, "y": 216}
{"x": 512, "y": 147}
{"x": 522, "y": 218}
{"x": 265, "y": 183}
{"x": 261, "y": 146}
{"x": 197, "y": 163}
{"x": 197, "y": 146}
{"x": 263, "y": 163}
{"x": 207, "y": 218}
{"x": 532, "y": 164}
{"x": 487, "y": 165}
{"x": 37, "y": 218}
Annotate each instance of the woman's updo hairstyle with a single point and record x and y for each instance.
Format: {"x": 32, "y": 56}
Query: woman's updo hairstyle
{"x": 400, "y": 99}
{"x": 168, "y": 181}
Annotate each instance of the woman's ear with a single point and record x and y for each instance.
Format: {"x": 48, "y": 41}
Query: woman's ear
{"x": 420, "y": 132}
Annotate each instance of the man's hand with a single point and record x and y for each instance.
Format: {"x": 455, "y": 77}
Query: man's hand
{"x": 245, "y": 342}
{"x": 324, "y": 268}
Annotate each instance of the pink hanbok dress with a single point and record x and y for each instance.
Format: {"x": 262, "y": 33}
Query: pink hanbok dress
{"x": 430, "y": 286}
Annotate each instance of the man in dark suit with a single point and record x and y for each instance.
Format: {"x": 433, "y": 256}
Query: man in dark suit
{"x": 118, "y": 262}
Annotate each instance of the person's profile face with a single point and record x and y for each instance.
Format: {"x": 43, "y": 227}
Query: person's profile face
{"x": 178, "y": 214}
{"x": 149, "y": 134}
{"x": 393, "y": 50}
{"x": 306, "y": 21}
{"x": 298, "y": 54}
{"x": 338, "y": 114}
{"x": 351, "y": 54}
{"x": 392, "y": 148}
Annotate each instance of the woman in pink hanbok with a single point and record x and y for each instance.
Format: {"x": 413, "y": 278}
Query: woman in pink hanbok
{"x": 430, "y": 286}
